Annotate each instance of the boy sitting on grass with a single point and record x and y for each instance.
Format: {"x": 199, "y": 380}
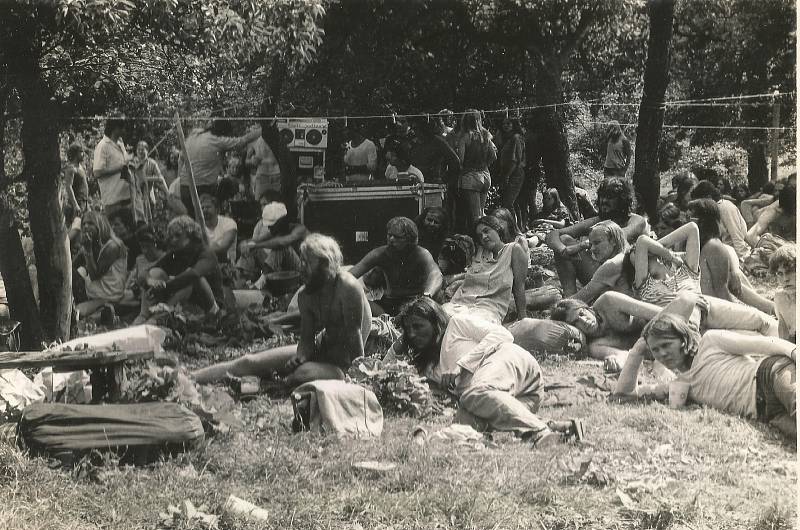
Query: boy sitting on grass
{"x": 782, "y": 264}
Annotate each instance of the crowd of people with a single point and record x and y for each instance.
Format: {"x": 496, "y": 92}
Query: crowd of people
{"x": 455, "y": 280}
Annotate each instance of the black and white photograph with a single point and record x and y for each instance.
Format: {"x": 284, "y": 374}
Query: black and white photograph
{"x": 398, "y": 264}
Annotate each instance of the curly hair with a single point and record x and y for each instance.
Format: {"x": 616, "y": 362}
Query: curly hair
{"x": 670, "y": 326}
{"x": 785, "y": 256}
{"x": 406, "y": 227}
{"x": 495, "y": 224}
{"x": 186, "y": 226}
{"x": 619, "y": 189}
{"x": 706, "y": 189}
{"x": 708, "y": 217}
{"x": 325, "y": 248}
{"x": 427, "y": 309}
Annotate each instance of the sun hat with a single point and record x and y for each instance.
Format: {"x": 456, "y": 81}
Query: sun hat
{"x": 272, "y": 213}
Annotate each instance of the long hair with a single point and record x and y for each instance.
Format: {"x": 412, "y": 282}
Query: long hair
{"x": 459, "y": 251}
{"x": 613, "y": 233}
{"x": 425, "y": 308}
{"x": 444, "y": 224}
{"x": 614, "y": 130}
{"x": 325, "y": 248}
{"x": 104, "y": 231}
{"x": 670, "y": 326}
{"x": 619, "y": 189}
{"x": 564, "y": 306}
{"x": 505, "y": 215}
{"x": 707, "y": 213}
{"x": 552, "y": 194}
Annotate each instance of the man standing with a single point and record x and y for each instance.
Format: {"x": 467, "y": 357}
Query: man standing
{"x": 110, "y": 162}
{"x": 205, "y": 148}
{"x": 361, "y": 158}
{"x": 265, "y": 170}
{"x": 334, "y": 325}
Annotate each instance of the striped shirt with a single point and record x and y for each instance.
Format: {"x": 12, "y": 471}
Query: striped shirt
{"x": 662, "y": 292}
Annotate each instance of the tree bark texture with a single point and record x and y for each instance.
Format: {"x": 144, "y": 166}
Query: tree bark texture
{"x": 42, "y": 168}
{"x": 757, "y": 167}
{"x": 646, "y": 177}
{"x": 552, "y": 134}
{"x": 19, "y": 291}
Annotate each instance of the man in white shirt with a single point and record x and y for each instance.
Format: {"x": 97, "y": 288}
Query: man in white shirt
{"x": 221, "y": 230}
{"x": 400, "y": 165}
{"x": 110, "y": 161}
{"x": 265, "y": 172}
{"x": 361, "y": 158}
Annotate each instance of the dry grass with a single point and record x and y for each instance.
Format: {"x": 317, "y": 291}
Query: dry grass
{"x": 694, "y": 468}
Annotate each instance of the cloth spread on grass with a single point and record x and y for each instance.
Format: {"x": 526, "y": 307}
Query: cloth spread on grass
{"x": 566, "y": 391}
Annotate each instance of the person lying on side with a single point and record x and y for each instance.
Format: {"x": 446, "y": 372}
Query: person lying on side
{"x": 747, "y": 375}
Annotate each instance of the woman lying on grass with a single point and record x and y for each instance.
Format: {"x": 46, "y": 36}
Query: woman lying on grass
{"x": 499, "y": 385}
{"x": 748, "y": 375}
{"x": 613, "y": 323}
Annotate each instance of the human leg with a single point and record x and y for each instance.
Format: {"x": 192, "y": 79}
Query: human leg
{"x": 728, "y": 315}
{"x": 783, "y": 397}
{"x": 471, "y": 209}
{"x": 261, "y": 364}
{"x": 313, "y": 371}
{"x": 505, "y": 391}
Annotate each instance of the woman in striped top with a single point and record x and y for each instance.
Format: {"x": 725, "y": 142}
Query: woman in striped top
{"x": 657, "y": 272}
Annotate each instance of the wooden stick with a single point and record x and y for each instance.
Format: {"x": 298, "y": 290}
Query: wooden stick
{"x": 198, "y": 213}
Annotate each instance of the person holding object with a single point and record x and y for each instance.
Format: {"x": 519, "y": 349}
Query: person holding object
{"x": 334, "y": 324}
{"x": 747, "y": 375}
{"x": 110, "y": 168}
{"x": 205, "y": 148}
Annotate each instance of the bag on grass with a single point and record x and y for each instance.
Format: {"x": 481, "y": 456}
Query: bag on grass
{"x": 58, "y": 427}
{"x": 333, "y": 406}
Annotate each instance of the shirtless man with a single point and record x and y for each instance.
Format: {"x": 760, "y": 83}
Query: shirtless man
{"x": 614, "y": 322}
{"x": 573, "y": 259}
{"x": 334, "y": 325}
{"x": 410, "y": 269}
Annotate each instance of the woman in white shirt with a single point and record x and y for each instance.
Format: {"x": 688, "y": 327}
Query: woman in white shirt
{"x": 499, "y": 385}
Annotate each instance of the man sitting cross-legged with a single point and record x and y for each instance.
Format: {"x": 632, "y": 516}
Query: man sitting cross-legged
{"x": 334, "y": 324}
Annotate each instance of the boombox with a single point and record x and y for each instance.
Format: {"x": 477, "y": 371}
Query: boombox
{"x": 306, "y": 134}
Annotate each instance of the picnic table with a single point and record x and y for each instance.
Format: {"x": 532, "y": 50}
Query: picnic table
{"x": 106, "y": 368}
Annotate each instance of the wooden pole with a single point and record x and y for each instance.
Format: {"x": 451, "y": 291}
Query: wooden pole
{"x": 198, "y": 213}
{"x": 776, "y": 122}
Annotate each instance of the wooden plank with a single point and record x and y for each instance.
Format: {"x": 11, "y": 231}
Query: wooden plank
{"x": 71, "y": 359}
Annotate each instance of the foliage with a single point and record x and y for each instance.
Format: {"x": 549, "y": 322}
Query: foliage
{"x": 397, "y": 385}
{"x": 720, "y": 160}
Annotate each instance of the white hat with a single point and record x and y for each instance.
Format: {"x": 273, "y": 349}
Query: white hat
{"x": 272, "y": 212}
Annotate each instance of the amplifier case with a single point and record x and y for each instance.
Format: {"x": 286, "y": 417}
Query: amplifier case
{"x": 356, "y": 216}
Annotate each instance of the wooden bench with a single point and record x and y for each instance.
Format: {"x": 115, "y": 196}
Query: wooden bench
{"x": 106, "y": 368}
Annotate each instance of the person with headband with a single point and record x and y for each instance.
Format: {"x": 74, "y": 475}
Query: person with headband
{"x": 747, "y": 375}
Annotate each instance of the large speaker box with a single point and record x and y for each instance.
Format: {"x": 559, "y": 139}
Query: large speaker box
{"x": 356, "y": 216}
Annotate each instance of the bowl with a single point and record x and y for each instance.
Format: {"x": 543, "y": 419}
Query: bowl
{"x": 282, "y": 282}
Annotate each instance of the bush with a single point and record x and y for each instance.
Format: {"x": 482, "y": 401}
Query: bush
{"x": 721, "y": 160}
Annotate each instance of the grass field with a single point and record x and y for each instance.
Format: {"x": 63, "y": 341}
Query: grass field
{"x": 643, "y": 466}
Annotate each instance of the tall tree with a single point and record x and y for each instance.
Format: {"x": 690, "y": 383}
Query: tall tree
{"x": 646, "y": 179}
{"x": 57, "y": 55}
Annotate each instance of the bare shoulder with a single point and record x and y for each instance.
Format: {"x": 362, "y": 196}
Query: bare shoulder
{"x": 349, "y": 285}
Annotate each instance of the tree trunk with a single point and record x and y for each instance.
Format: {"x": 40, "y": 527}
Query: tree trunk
{"x": 17, "y": 281}
{"x": 548, "y": 90}
{"x": 42, "y": 167}
{"x": 646, "y": 177}
{"x": 757, "y": 167}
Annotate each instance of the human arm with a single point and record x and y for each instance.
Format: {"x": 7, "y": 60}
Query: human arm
{"x": 205, "y": 266}
{"x": 765, "y": 218}
{"x": 628, "y": 377}
{"x": 226, "y": 143}
{"x": 298, "y": 233}
{"x": 736, "y": 227}
{"x": 102, "y": 167}
{"x": 603, "y": 280}
{"x": 627, "y": 151}
{"x": 736, "y": 343}
{"x": 485, "y": 336}
{"x": 450, "y": 156}
{"x": 434, "y": 279}
{"x": 306, "y": 344}
{"x": 519, "y": 267}
{"x": 108, "y": 255}
{"x": 553, "y": 238}
{"x": 69, "y": 177}
{"x": 368, "y": 262}
{"x": 611, "y": 301}
{"x": 636, "y": 226}
{"x": 221, "y": 246}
